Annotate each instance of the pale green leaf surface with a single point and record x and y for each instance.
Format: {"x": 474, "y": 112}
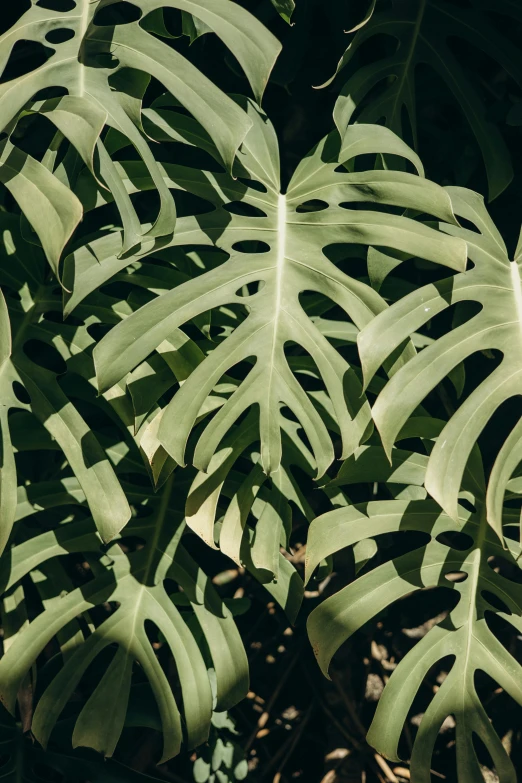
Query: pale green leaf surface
{"x": 293, "y": 262}
{"x": 83, "y": 66}
{"x": 463, "y": 635}
{"x": 135, "y": 581}
{"x": 49, "y": 206}
{"x": 494, "y": 282}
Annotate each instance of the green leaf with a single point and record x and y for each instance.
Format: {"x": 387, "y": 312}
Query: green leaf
{"x": 284, "y": 8}
{"x": 49, "y": 206}
{"x": 420, "y": 34}
{"x": 464, "y": 634}
{"x": 293, "y": 261}
{"x": 89, "y": 66}
{"x": 25, "y": 762}
{"x": 51, "y": 406}
{"x": 493, "y": 282}
{"x": 136, "y": 582}
{"x": 7, "y": 461}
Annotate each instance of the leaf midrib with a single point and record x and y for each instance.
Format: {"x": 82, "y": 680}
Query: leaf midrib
{"x": 409, "y": 57}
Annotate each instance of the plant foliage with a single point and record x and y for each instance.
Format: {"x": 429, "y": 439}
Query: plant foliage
{"x": 421, "y": 34}
{"x": 243, "y": 385}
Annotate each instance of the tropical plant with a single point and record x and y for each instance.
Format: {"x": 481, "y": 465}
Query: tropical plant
{"x": 104, "y": 61}
{"x": 494, "y": 283}
{"x": 421, "y": 34}
{"x": 283, "y": 254}
{"x": 244, "y": 386}
{"x": 456, "y": 556}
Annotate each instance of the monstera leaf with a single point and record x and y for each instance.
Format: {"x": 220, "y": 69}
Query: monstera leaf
{"x": 195, "y": 624}
{"x": 88, "y": 60}
{"x": 257, "y": 514}
{"x": 494, "y": 282}
{"x": 51, "y": 208}
{"x": 30, "y": 366}
{"x": 266, "y": 278}
{"x": 256, "y": 509}
{"x": 273, "y": 496}
{"x": 420, "y": 32}
{"x": 462, "y": 547}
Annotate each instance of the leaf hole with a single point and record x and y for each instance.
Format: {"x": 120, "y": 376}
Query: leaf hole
{"x": 57, "y": 5}
{"x": 463, "y": 312}
{"x": 44, "y": 356}
{"x": 119, "y": 13}
{"x": 12, "y": 13}
{"x": 502, "y": 630}
{"x": 26, "y": 57}
{"x": 467, "y": 224}
{"x": 47, "y": 94}
{"x": 504, "y": 418}
{"x": 251, "y": 246}
{"x": 56, "y": 317}
{"x": 509, "y": 570}
{"x": 456, "y": 576}
{"x": 153, "y": 634}
{"x": 360, "y": 162}
{"x": 34, "y": 133}
{"x": 460, "y": 541}
{"x": 60, "y": 35}
{"x": 486, "y": 686}
{"x": 244, "y": 209}
{"x": 468, "y": 505}
{"x": 375, "y": 206}
{"x": 495, "y": 602}
{"x": 250, "y": 289}
{"x": 164, "y": 19}
{"x": 97, "y": 331}
{"x": 186, "y": 203}
{"x": 254, "y": 184}
{"x": 313, "y": 205}
{"x": 131, "y": 543}
{"x": 21, "y": 393}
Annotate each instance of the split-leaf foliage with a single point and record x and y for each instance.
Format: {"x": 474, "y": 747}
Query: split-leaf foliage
{"x": 219, "y": 347}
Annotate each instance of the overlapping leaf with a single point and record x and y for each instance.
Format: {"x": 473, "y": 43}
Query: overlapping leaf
{"x": 256, "y": 509}
{"x": 24, "y": 762}
{"x": 257, "y": 518}
{"x": 257, "y": 392}
{"x": 27, "y": 384}
{"x": 135, "y": 579}
{"x": 493, "y": 282}
{"x": 105, "y": 69}
{"x": 464, "y": 635}
{"x": 290, "y": 260}
{"x": 421, "y": 30}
